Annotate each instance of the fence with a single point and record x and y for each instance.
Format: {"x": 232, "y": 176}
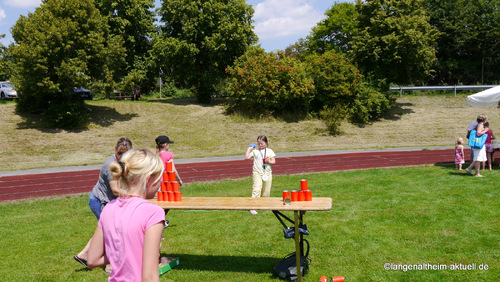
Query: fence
{"x": 425, "y": 88}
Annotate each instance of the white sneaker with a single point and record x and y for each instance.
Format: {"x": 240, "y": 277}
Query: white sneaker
{"x": 253, "y": 211}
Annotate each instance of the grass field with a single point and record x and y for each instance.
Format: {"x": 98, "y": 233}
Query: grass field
{"x": 409, "y": 216}
{"x": 401, "y": 216}
{"x": 205, "y": 131}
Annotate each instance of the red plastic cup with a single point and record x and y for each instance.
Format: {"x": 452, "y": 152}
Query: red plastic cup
{"x": 168, "y": 166}
{"x": 169, "y": 186}
{"x": 177, "y": 196}
{"x": 302, "y": 196}
{"x": 171, "y": 176}
{"x": 295, "y": 195}
{"x": 163, "y": 186}
{"x": 165, "y": 196}
{"x": 175, "y": 186}
{"x": 323, "y": 279}
{"x": 171, "y": 196}
{"x": 309, "y": 195}
{"x": 160, "y": 197}
{"x": 303, "y": 185}
{"x": 165, "y": 176}
{"x": 286, "y": 194}
{"x": 338, "y": 279}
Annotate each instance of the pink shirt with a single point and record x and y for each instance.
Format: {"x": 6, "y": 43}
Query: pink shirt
{"x": 165, "y": 157}
{"x": 124, "y": 223}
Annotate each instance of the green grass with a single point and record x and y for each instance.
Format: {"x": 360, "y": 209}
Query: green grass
{"x": 411, "y": 215}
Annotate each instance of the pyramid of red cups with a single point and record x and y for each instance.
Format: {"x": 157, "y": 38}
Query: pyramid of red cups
{"x": 304, "y": 194}
{"x": 169, "y": 191}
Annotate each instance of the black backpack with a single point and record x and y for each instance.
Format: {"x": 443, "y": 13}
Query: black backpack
{"x": 287, "y": 267}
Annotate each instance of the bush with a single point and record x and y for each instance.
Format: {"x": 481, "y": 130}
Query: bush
{"x": 68, "y": 114}
{"x": 268, "y": 83}
{"x": 169, "y": 90}
{"x": 336, "y": 80}
{"x": 333, "y": 117}
{"x": 370, "y": 105}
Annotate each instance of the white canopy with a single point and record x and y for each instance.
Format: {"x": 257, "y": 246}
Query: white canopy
{"x": 489, "y": 98}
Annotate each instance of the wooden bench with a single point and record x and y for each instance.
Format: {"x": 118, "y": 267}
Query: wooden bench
{"x": 121, "y": 95}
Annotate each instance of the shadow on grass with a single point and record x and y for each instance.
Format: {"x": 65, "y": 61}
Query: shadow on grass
{"x": 226, "y": 263}
{"x": 395, "y": 113}
{"x": 99, "y": 115}
{"x": 106, "y": 116}
{"x": 452, "y": 171}
{"x": 398, "y": 110}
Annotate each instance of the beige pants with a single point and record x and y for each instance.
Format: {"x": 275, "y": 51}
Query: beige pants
{"x": 261, "y": 188}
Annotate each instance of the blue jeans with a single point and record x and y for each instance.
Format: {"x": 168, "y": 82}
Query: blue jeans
{"x": 95, "y": 205}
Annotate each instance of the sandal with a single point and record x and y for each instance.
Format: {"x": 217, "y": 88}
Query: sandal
{"x": 166, "y": 260}
{"x": 82, "y": 261}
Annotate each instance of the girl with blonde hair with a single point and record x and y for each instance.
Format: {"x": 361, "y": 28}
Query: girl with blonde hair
{"x": 130, "y": 228}
{"x": 459, "y": 153}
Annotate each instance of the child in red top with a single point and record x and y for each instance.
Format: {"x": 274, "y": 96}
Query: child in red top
{"x": 488, "y": 145}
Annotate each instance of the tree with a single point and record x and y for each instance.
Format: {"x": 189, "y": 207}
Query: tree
{"x": 395, "y": 41}
{"x": 134, "y": 21}
{"x": 62, "y": 45}
{"x": 200, "y": 38}
{"x": 263, "y": 83}
{"x": 5, "y": 61}
{"x": 468, "y": 49}
{"x": 336, "y": 31}
{"x": 298, "y": 50}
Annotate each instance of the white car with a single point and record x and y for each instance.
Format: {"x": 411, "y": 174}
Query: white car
{"x": 7, "y": 90}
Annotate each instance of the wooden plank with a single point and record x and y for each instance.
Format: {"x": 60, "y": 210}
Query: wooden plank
{"x": 242, "y": 203}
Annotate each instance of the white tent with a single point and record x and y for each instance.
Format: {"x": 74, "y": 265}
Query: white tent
{"x": 489, "y": 98}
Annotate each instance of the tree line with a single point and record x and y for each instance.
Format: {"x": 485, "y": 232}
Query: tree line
{"x": 414, "y": 42}
{"x": 341, "y": 70}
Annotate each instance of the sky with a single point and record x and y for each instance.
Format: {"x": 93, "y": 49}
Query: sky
{"x": 277, "y": 23}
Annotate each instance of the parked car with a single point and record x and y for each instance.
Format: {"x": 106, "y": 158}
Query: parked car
{"x": 7, "y": 90}
{"x": 83, "y": 93}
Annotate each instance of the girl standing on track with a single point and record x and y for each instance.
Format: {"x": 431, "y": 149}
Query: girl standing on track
{"x": 263, "y": 158}
{"x": 459, "y": 153}
{"x": 128, "y": 235}
{"x": 162, "y": 146}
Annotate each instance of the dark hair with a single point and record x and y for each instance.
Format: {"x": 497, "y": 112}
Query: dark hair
{"x": 263, "y": 138}
{"x": 124, "y": 142}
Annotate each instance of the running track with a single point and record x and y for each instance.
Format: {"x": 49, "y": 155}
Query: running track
{"x": 63, "y": 183}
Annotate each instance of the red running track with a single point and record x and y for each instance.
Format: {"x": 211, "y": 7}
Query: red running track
{"x": 63, "y": 183}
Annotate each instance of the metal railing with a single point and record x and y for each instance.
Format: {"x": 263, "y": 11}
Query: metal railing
{"x": 454, "y": 87}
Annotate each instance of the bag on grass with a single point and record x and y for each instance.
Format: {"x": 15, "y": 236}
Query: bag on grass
{"x": 476, "y": 142}
{"x": 287, "y": 267}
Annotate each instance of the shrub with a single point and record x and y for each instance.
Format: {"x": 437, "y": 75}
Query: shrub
{"x": 336, "y": 80}
{"x": 268, "y": 83}
{"x": 370, "y": 105}
{"x": 68, "y": 114}
{"x": 333, "y": 117}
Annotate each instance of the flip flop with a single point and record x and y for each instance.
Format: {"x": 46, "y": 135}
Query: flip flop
{"x": 82, "y": 261}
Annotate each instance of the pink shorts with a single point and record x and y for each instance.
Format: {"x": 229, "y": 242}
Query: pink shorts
{"x": 489, "y": 148}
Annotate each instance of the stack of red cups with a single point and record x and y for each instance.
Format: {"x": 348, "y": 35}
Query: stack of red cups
{"x": 304, "y": 194}
{"x": 169, "y": 187}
